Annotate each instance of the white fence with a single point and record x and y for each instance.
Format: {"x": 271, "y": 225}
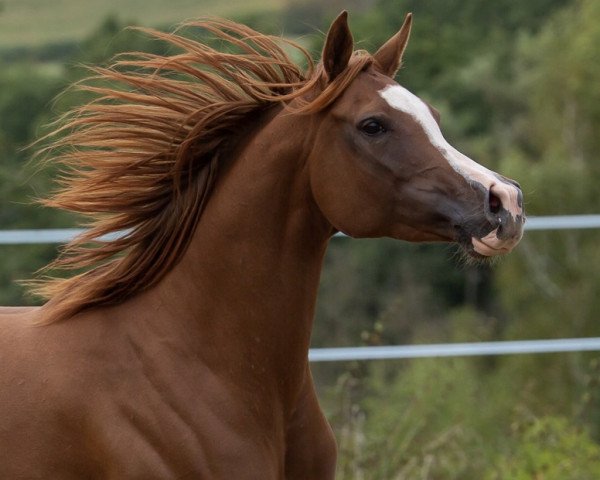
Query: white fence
{"x": 17, "y": 237}
{"x": 395, "y": 352}
{"x": 63, "y": 235}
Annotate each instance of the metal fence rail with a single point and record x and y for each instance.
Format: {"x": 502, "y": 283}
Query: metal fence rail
{"x": 562, "y": 222}
{"x": 516, "y": 347}
{"x": 63, "y": 235}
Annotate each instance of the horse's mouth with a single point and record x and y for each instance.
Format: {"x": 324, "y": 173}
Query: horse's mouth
{"x": 484, "y": 249}
{"x": 476, "y": 248}
{"x": 471, "y": 256}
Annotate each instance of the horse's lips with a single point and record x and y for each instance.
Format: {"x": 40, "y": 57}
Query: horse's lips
{"x": 485, "y": 246}
{"x": 487, "y": 251}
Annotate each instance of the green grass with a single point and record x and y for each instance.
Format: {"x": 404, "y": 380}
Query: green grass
{"x": 30, "y": 23}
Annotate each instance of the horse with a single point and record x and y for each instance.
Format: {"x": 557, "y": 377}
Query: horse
{"x": 213, "y": 178}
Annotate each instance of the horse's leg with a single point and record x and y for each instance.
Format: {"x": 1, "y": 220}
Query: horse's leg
{"x": 311, "y": 450}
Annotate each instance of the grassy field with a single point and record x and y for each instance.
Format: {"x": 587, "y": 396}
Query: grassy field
{"x": 38, "y": 22}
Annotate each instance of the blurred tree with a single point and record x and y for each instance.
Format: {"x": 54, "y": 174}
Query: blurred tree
{"x": 112, "y": 37}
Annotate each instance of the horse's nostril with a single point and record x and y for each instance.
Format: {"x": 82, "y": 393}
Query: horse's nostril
{"x": 494, "y": 203}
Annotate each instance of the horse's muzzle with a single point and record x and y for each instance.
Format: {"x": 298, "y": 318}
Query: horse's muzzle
{"x": 504, "y": 211}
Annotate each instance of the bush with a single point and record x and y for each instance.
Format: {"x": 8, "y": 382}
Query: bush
{"x": 549, "y": 448}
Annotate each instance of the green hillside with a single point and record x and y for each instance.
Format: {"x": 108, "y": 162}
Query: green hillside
{"x": 38, "y": 22}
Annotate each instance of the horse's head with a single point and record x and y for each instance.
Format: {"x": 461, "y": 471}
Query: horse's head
{"x": 381, "y": 166}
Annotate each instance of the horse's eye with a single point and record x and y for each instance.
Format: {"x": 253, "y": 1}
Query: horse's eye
{"x": 372, "y": 127}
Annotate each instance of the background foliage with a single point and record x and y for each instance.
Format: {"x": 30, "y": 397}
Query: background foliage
{"x": 518, "y": 85}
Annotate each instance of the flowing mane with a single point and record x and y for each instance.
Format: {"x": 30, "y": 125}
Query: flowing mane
{"x": 139, "y": 160}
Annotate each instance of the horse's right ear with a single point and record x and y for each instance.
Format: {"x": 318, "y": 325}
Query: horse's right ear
{"x": 338, "y": 47}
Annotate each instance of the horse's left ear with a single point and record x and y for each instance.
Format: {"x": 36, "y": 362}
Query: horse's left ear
{"x": 338, "y": 47}
{"x": 389, "y": 56}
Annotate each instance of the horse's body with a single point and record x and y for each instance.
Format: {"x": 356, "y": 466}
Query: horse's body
{"x": 204, "y": 374}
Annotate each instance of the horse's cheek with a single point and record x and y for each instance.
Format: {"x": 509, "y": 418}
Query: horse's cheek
{"x": 350, "y": 203}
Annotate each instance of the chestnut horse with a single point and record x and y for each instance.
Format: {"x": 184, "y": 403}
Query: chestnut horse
{"x": 179, "y": 348}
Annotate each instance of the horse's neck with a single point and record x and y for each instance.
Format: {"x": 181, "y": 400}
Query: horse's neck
{"x": 249, "y": 279}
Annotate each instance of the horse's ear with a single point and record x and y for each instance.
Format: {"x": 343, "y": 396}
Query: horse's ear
{"x": 389, "y": 56}
{"x": 338, "y": 46}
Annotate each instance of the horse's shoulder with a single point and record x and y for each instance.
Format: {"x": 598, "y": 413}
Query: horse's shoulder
{"x": 60, "y": 356}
